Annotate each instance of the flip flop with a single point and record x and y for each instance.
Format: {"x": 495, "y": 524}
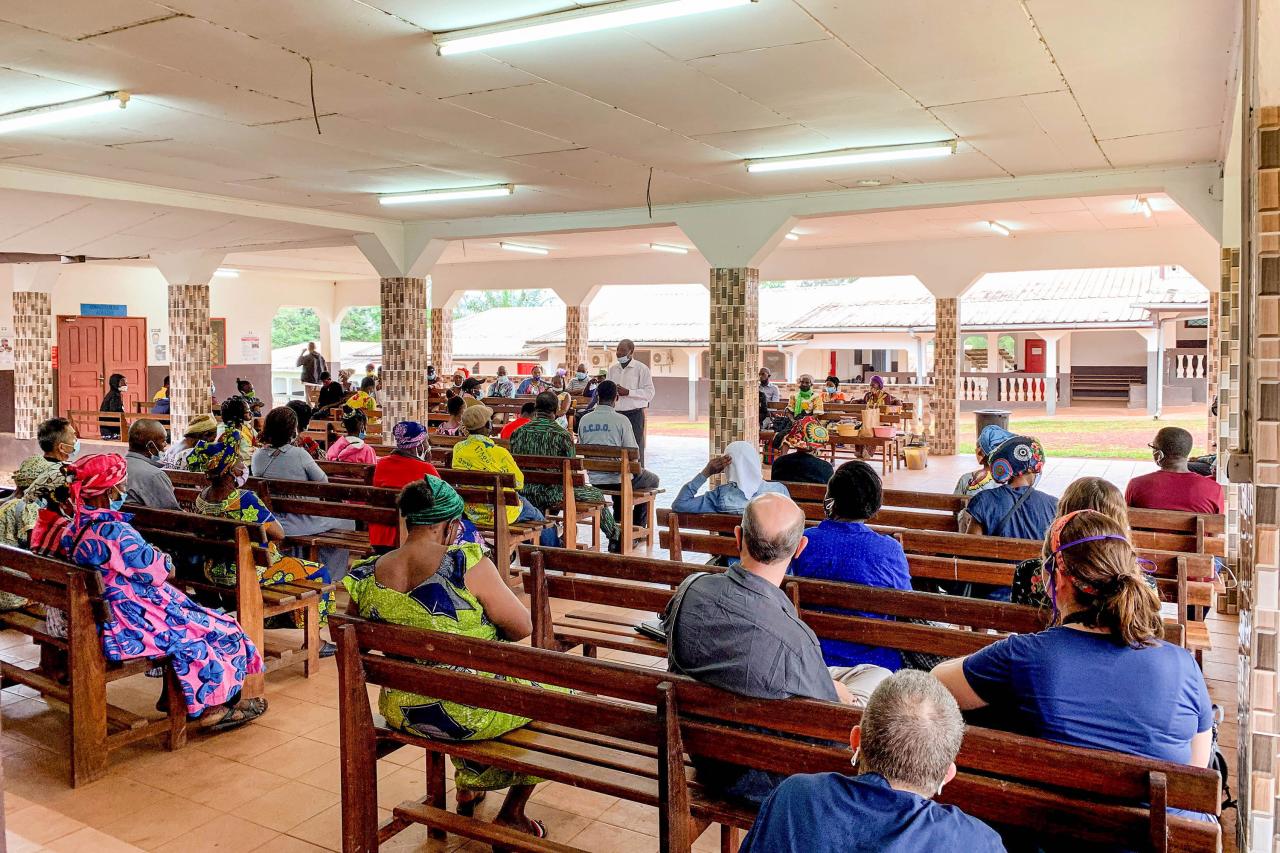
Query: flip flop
{"x": 539, "y": 831}
{"x": 468, "y": 808}
{"x": 244, "y": 712}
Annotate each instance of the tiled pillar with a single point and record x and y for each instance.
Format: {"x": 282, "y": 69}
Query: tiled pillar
{"x": 946, "y": 375}
{"x": 404, "y": 351}
{"x": 734, "y": 356}
{"x": 441, "y": 340}
{"x": 190, "y": 378}
{"x": 1211, "y": 368}
{"x": 32, "y": 362}
{"x": 575, "y": 336}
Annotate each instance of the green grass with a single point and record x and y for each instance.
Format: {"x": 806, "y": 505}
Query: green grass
{"x": 1122, "y": 438}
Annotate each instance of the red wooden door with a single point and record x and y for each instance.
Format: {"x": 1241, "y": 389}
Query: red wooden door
{"x": 80, "y": 377}
{"x": 124, "y": 351}
{"x": 1034, "y": 360}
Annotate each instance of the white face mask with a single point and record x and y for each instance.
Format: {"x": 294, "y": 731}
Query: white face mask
{"x": 624, "y": 360}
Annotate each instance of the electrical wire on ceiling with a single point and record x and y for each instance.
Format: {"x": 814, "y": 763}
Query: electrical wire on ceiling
{"x": 315, "y": 114}
{"x": 648, "y": 193}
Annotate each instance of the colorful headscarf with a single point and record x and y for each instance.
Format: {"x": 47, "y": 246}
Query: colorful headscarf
{"x": 409, "y": 435}
{"x": 214, "y": 458}
{"x": 807, "y": 434}
{"x": 446, "y": 505}
{"x": 991, "y": 437}
{"x": 44, "y": 489}
{"x": 96, "y": 474}
{"x": 200, "y": 425}
{"x": 31, "y": 469}
{"x": 1014, "y": 457}
{"x": 877, "y": 383}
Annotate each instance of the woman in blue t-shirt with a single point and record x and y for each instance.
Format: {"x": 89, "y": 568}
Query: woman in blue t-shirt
{"x": 1014, "y": 508}
{"x": 1101, "y": 677}
{"x": 843, "y": 548}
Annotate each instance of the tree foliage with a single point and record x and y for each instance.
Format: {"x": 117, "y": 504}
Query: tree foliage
{"x": 292, "y": 326}
{"x": 363, "y": 324}
{"x": 478, "y": 301}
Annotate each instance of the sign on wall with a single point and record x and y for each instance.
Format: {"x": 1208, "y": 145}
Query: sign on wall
{"x": 6, "y": 348}
{"x": 97, "y": 309}
{"x": 250, "y": 348}
{"x": 159, "y": 346}
{"x": 218, "y": 347}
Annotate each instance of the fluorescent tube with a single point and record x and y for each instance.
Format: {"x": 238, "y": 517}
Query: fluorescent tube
{"x": 490, "y": 191}
{"x": 50, "y": 113}
{"x": 848, "y": 156}
{"x": 520, "y": 247}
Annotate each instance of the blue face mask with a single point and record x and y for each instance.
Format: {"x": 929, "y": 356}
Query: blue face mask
{"x": 624, "y": 360}
{"x": 362, "y": 436}
{"x": 75, "y": 450}
{"x": 117, "y": 503}
{"x": 580, "y": 376}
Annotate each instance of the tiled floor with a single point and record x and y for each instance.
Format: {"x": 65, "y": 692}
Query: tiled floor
{"x": 273, "y": 785}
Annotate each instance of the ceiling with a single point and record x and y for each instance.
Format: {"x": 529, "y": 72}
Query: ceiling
{"x": 221, "y": 104}
{"x": 1090, "y": 214}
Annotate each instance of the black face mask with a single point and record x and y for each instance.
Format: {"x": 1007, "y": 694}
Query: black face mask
{"x": 764, "y": 381}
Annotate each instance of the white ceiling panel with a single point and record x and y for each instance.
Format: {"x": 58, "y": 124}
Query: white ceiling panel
{"x": 765, "y": 23}
{"x": 441, "y": 15}
{"x": 1027, "y": 134}
{"x": 178, "y": 225}
{"x": 1155, "y": 47}
{"x": 76, "y": 20}
{"x": 768, "y": 141}
{"x": 19, "y": 90}
{"x": 88, "y": 224}
{"x": 17, "y": 207}
{"x": 944, "y": 52}
{"x": 1198, "y": 145}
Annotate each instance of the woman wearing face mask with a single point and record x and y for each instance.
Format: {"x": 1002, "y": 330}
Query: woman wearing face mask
{"x": 351, "y": 447}
{"x": 224, "y": 497}
{"x": 147, "y": 617}
{"x": 831, "y": 392}
{"x": 805, "y": 401}
{"x": 113, "y": 402}
{"x": 502, "y": 386}
{"x": 245, "y": 389}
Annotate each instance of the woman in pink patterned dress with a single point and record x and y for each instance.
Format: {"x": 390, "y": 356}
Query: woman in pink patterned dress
{"x": 148, "y": 618}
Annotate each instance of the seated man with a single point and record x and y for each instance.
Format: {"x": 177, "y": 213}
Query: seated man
{"x": 904, "y": 751}
{"x": 605, "y": 427}
{"x": 805, "y": 401}
{"x": 58, "y": 442}
{"x": 509, "y": 429}
{"x": 738, "y": 631}
{"x": 542, "y": 436}
{"x": 149, "y": 485}
{"x": 478, "y": 452}
{"x": 1175, "y": 485}
{"x": 767, "y": 388}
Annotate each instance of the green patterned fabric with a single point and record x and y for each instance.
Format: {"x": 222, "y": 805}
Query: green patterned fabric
{"x": 441, "y": 603}
{"x": 542, "y": 436}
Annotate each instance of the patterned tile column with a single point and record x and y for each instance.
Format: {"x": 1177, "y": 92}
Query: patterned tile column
{"x": 575, "y": 335}
{"x": 946, "y": 375}
{"x": 32, "y": 362}
{"x": 190, "y": 341}
{"x": 442, "y": 340}
{"x": 734, "y": 356}
{"x": 404, "y": 351}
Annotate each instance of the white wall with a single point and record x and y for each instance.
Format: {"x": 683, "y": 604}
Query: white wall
{"x": 1122, "y": 347}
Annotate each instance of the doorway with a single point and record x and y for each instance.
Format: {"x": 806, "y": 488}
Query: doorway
{"x": 1034, "y": 361}
{"x": 90, "y": 349}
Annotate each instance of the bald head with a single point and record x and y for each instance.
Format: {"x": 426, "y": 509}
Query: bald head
{"x": 625, "y": 348}
{"x": 146, "y": 437}
{"x": 772, "y": 527}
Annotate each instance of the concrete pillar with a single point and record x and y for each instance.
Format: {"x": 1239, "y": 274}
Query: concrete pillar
{"x": 922, "y": 359}
{"x": 1051, "y": 371}
{"x": 993, "y": 352}
{"x": 576, "y": 335}
{"x": 33, "y": 386}
{"x": 946, "y": 374}
{"x": 1064, "y": 368}
{"x": 330, "y": 343}
{"x": 190, "y": 336}
{"x": 693, "y": 367}
{"x": 1155, "y": 367}
{"x": 735, "y": 346}
{"x": 441, "y": 339}
{"x": 793, "y": 364}
{"x": 404, "y": 351}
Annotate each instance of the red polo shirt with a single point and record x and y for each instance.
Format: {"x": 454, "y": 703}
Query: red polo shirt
{"x": 396, "y": 472}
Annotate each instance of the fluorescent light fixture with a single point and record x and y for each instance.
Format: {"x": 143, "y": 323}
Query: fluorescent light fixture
{"x": 849, "y": 156}
{"x": 489, "y": 191}
{"x": 1141, "y": 205}
{"x": 664, "y": 247}
{"x": 529, "y": 250}
{"x": 1002, "y": 230}
{"x": 791, "y": 235}
{"x": 570, "y": 22}
{"x": 226, "y": 273}
{"x": 50, "y": 113}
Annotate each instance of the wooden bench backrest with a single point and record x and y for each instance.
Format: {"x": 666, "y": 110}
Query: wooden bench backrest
{"x": 1091, "y": 795}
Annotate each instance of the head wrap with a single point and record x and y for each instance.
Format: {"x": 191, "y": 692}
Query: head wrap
{"x": 991, "y": 437}
{"x": 201, "y": 424}
{"x": 47, "y": 483}
{"x": 214, "y": 458}
{"x": 446, "y": 505}
{"x": 95, "y": 475}
{"x": 475, "y": 417}
{"x": 1014, "y": 457}
{"x": 409, "y": 434}
{"x": 31, "y": 469}
{"x": 744, "y": 469}
{"x": 807, "y": 434}
{"x": 877, "y": 383}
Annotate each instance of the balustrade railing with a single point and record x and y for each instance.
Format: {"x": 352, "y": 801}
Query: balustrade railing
{"x": 1018, "y": 387}
{"x": 1186, "y": 363}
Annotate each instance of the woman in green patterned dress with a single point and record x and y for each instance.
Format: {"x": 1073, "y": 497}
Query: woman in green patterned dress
{"x": 223, "y": 465}
{"x": 455, "y": 589}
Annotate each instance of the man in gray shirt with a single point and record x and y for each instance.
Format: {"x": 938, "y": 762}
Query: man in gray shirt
{"x": 738, "y": 630}
{"x": 606, "y": 427}
{"x": 767, "y": 388}
{"x": 149, "y": 485}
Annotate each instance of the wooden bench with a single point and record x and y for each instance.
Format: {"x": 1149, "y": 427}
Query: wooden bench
{"x": 241, "y": 543}
{"x": 97, "y": 728}
{"x": 624, "y": 463}
{"x": 646, "y": 585}
{"x": 90, "y": 424}
{"x": 631, "y": 732}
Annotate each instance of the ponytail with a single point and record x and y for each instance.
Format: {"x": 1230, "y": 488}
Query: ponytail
{"x": 1130, "y": 611}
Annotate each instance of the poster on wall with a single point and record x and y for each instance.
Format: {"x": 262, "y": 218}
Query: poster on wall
{"x": 6, "y": 348}
{"x": 218, "y": 353}
{"x": 250, "y": 348}
{"x": 159, "y": 347}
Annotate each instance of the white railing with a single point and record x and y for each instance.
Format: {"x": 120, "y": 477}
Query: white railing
{"x": 1022, "y": 389}
{"x": 974, "y": 387}
{"x": 1189, "y": 365}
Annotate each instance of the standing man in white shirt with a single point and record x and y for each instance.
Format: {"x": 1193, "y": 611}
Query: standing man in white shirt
{"x": 635, "y": 389}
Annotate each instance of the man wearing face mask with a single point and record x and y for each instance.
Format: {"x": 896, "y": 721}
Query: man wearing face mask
{"x": 904, "y": 751}
{"x": 148, "y": 483}
{"x": 805, "y": 401}
{"x": 580, "y": 384}
{"x": 767, "y": 388}
{"x": 635, "y": 389}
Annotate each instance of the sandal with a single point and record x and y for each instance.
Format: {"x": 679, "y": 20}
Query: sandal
{"x": 328, "y": 650}
{"x": 243, "y": 712}
{"x": 539, "y": 830}
{"x": 468, "y": 808}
